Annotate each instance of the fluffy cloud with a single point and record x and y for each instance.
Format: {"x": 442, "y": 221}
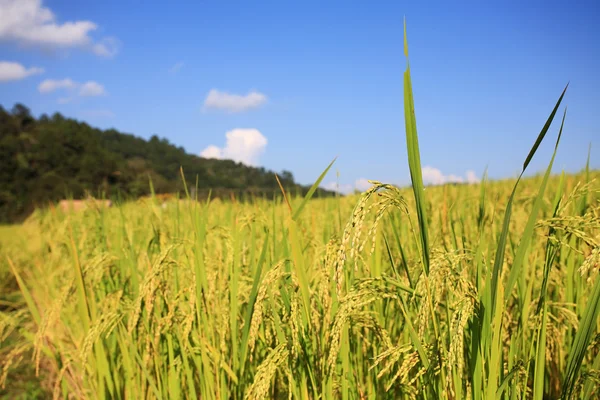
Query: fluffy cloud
{"x": 91, "y": 88}
{"x": 433, "y": 176}
{"x": 86, "y": 89}
{"x": 361, "y": 185}
{"x": 27, "y": 22}
{"x": 344, "y": 188}
{"x": 212, "y": 152}
{"x": 242, "y": 145}
{"x": 50, "y": 85}
{"x": 12, "y": 71}
{"x": 233, "y": 103}
{"x": 472, "y": 177}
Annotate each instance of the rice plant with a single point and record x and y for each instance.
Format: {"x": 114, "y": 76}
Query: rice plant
{"x": 470, "y": 291}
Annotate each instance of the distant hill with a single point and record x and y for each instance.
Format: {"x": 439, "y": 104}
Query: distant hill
{"x": 50, "y": 158}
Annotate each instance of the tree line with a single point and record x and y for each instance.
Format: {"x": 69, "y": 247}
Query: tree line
{"x": 50, "y": 158}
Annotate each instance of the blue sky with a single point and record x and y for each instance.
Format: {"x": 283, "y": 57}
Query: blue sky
{"x": 294, "y": 84}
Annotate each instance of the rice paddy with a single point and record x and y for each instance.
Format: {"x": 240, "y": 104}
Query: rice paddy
{"x": 477, "y": 291}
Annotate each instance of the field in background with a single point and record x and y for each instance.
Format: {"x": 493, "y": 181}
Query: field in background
{"x": 223, "y": 299}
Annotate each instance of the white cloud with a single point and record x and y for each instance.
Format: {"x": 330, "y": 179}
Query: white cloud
{"x": 471, "y": 177}
{"x": 27, "y": 22}
{"x": 242, "y": 145}
{"x": 91, "y": 88}
{"x": 212, "y": 152}
{"x": 344, "y": 188}
{"x": 362, "y": 184}
{"x": 233, "y": 102}
{"x": 50, "y": 85}
{"x": 87, "y": 89}
{"x": 433, "y": 176}
{"x": 330, "y": 186}
{"x": 175, "y": 68}
{"x": 12, "y": 71}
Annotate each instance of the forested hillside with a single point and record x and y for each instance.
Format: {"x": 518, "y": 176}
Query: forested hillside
{"x": 53, "y": 157}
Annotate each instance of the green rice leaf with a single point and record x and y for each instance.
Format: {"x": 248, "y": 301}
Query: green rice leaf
{"x": 311, "y": 191}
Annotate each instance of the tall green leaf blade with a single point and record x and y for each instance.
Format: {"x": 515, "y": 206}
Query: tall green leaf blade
{"x": 528, "y": 232}
{"x": 312, "y": 190}
{"x": 251, "y": 302}
{"x": 25, "y": 292}
{"x": 582, "y": 339}
{"x": 540, "y": 359}
{"x": 414, "y": 159}
{"x": 544, "y": 130}
{"x": 501, "y": 247}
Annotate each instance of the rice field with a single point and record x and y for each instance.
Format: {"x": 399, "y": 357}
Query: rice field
{"x": 486, "y": 291}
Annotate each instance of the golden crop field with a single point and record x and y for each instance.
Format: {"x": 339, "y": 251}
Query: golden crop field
{"x": 480, "y": 291}
{"x": 230, "y": 300}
